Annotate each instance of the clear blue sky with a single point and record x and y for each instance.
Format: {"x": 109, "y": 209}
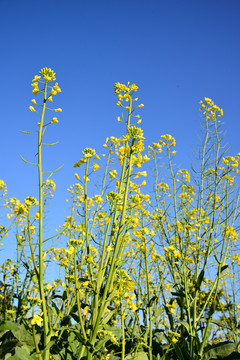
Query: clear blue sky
{"x": 177, "y": 52}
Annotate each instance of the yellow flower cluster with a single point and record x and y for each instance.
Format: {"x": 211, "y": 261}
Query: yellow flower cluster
{"x": 230, "y": 233}
{"x": 169, "y": 139}
{"x": 125, "y": 92}
{"x": 3, "y": 188}
{"x": 119, "y": 88}
{"x": 210, "y": 110}
{"x": 31, "y": 201}
{"x": 232, "y": 162}
{"x": 16, "y": 208}
{"x": 88, "y": 153}
{"x": 48, "y": 74}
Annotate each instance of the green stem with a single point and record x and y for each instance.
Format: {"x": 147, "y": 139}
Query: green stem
{"x": 46, "y": 337}
{"x": 123, "y": 332}
{"x": 149, "y": 307}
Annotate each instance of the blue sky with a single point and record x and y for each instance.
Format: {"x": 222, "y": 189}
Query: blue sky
{"x": 177, "y": 52}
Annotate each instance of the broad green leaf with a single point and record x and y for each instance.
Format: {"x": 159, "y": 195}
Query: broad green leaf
{"x": 137, "y": 356}
{"x": 114, "y": 330}
{"x": 220, "y": 351}
{"x": 24, "y": 337}
{"x": 22, "y": 354}
{"x": 73, "y": 343}
{"x": 8, "y": 325}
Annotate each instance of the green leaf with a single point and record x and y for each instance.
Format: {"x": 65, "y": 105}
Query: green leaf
{"x": 101, "y": 343}
{"x": 207, "y": 332}
{"x": 8, "y": 325}
{"x": 224, "y": 267}
{"x": 54, "y": 306}
{"x": 24, "y": 337}
{"x": 200, "y": 280}
{"x": 108, "y": 317}
{"x": 151, "y": 301}
{"x": 185, "y": 324}
{"x": 22, "y": 354}
{"x": 137, "y": 356}
{"x": 214, "y": 321}
{"x": 222, "y": 350}
{"x": 114, "y": 330}
{"x": 75, "y": 317}
{"x": 34, "y": 278}
{"x": 212, "y": 308}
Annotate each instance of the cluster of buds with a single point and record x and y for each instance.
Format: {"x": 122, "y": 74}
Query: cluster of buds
{"x": 46, "y": 75}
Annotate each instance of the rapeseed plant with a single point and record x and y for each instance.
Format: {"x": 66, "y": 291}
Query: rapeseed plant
{"x": 138, "y": 275}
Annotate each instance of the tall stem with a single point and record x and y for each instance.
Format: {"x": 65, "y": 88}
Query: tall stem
{"x": 40, "y": 240}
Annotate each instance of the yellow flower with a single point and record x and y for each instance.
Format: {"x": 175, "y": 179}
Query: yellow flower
{"x": 122, "y": 150}
{"x": 113, "y": 174}
{"x": 77, "y": 176}
{"x": 145, "y": 158}
{"x": 127, "y": 97}
{"x": 33, "y": 101}
{"x": 174, "y": 340}
{"x": 36, "y": 320}
{"x": 107, "y": 220}
{"x": 35, "y": 91}
{"x": 109, "y": 248}
{"x": 32, "y": 108}
{"x": 58, "y": 110}
{"x": 143, "y": 173}
{"x": 133, "y": 307}
{"x": 133, "y": 87}
{"x": 57, "y": 88}
{"x": 36, "y": 78}
{"x": 50, "y": 98}
{"x": 95, "y": 166}
{"x": 53, "y": 92}
{"x": 54, "y": 120}
{"x": 85, "y": 310}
